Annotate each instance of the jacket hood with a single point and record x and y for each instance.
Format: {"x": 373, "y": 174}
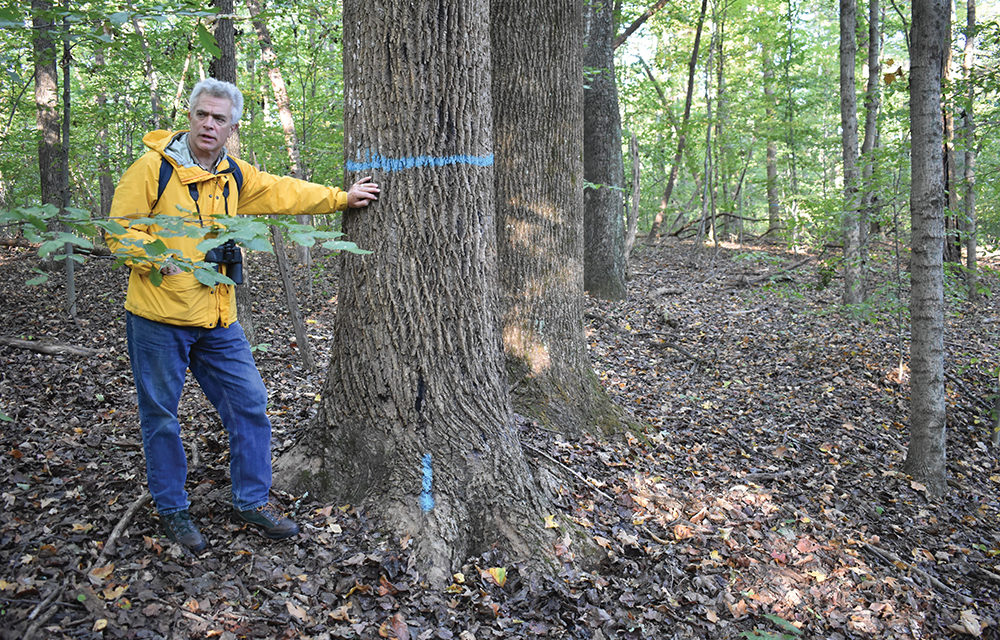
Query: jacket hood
{"x": 171, "y": 145}
{"x": 159, "y": 139}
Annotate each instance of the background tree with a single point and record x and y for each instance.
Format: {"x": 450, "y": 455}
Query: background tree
{"x": 925, "y": 457}
{"x": 969, "y": 139}
{"x": 46, "y": 101}
{"x": 538, "y": 119}
{"x": 869, "y": 192}
{"x": 682, "y": 134}
{"x": 603, "y": 170}
{"x": 854, "y": 286}
{"x": 771, "y": 155}
{"x": 416, "y": 417}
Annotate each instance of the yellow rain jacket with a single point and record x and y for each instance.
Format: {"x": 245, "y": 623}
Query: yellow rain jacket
{"x": 181, "y": 299}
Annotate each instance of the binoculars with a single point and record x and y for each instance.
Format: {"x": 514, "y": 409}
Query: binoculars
{"x": 228, "y": 254}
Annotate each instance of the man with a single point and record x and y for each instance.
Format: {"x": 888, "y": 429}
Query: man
{"x": 182, "y": 324}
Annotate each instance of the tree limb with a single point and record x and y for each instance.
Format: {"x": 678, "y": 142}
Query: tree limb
{"x": 638, "y": 23}
{"x": 109, "y": 546}
{"x": 50, "y": 348}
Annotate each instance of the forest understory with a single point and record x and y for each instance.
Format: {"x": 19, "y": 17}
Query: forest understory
{"x": 764, "y": 498}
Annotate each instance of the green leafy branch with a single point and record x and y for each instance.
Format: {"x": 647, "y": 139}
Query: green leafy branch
{"x": 52, "y": 229}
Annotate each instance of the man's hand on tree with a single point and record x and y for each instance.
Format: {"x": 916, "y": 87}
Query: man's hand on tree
{"x": 361, "y": 193}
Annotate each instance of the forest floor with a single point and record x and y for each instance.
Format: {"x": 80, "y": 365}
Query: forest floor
{"x": 764, "y": 497}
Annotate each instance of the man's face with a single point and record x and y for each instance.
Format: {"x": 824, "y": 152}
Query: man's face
{"x": 211, "y": 124}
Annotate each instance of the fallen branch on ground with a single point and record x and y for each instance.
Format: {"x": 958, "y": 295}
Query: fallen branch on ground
{"x": 49, "y": 348}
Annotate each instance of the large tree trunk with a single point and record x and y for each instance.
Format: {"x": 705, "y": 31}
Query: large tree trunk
{"x": 854, "y": 287}
{"x": 46, "y": 101}
{"x": 604, "y": 234}
{"x": 538, "y": 112}
{"x": 270, "y": 59}
{"x": 925, "y": 457}
{"x": 682, "y": 136}
{"x": 415, "y": 418}
{"x": 972, "y": 266}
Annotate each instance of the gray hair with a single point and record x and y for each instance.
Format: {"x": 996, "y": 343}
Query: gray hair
{"x": 219, "y": 89}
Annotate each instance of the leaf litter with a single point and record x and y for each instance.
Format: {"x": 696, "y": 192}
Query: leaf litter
{"x": 763, "y": 498}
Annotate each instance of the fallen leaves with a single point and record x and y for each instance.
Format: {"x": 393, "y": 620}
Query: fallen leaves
{"x": 750, "y": 494}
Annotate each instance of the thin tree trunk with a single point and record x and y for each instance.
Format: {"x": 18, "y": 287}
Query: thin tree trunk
{"x": 224, "y": 68}
{"x": 270, "y": 60}
{"x": 792, "y": 140}
{"x": 952, "y": 238}
{"x": 64, "y": 169}
{"x": 638, "y": 22}
{"x": 105, "y": 179}
{"x": 682, "y": 137}
{"x": 972, "y": 266}
{"x": 291, "y": 144}
{"x": 854, "y": 288}
{"x": 301, "y": 338}
{"x": 415, "y": 421}
{"x": 872, "y": 104}
{"x": 632, "y": 226}
{"x": 771, "y": 160}
{"x": 925, "y": 456}
{"x": 151, "y": 73}
{"x": 46, "y": 101}
{"x": 723, "y": 202}
{"x": 179, "y": 94}
{"x": 706, "y": 225}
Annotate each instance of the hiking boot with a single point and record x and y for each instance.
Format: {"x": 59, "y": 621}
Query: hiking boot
{"x": 270, "y": 520}
{"x": 180, "y": 529}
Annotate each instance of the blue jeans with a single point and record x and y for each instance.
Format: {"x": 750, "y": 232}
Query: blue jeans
{"x": 223, "y": 365}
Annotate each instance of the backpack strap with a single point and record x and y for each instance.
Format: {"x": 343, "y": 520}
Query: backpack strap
{"x": 167, "y": 170}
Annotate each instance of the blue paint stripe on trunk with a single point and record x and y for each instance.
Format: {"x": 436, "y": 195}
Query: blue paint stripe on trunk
{"x": 375, "y": 161}
{"x": 426, "y": 497}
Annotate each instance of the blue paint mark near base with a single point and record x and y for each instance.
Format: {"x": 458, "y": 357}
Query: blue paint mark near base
{"x": 375, "y": 161}
{"x": 426, "y": 497}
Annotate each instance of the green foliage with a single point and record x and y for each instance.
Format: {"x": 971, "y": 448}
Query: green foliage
{"x": 42, "y": 225}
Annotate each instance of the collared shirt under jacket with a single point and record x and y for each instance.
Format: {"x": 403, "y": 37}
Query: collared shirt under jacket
{"x": 181, "y": 299}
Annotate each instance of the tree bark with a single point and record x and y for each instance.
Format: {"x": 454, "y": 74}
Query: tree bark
{"x": 603, "y": 170}
{"x": 854, "y": 287}
{"x": 223, "y": 67}
{"x": 925, "y": 456}
{"x": 415, "y": 419}
{"x": 538, "y": 118}
{"x": 46, "y": 101}
{"x": 972, "y": 266}
{"x": 682, "y": 136}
